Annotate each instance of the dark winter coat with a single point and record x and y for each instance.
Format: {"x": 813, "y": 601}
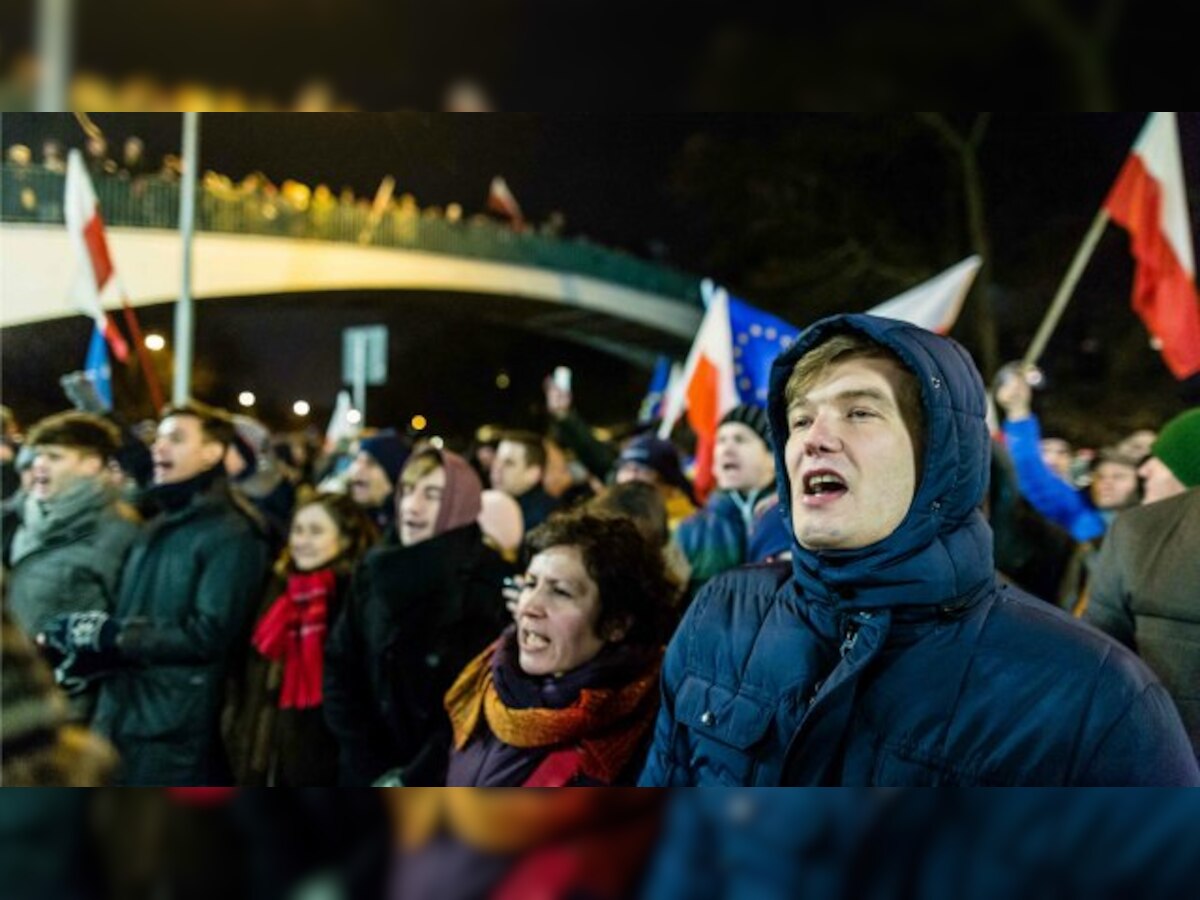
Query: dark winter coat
{"x": 186, "y": 599}
{"x": 536, "y": 507}
{"x": 266, "y": 744}
{"x": 906, "y": 662}
{"x": 1145, "y": 592}
{"x": 415, "y": 617}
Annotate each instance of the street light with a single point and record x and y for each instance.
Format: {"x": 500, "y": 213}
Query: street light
{"x": 503, "y": 381}
{"x": 155, "y": 342}
{"x": 247, "y": 398}
{"x": 419, "y": 422}
{"x": 300, "y": 407}
{"x": 354, "y": 417}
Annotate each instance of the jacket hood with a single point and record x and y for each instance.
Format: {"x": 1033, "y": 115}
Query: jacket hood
{"x": 942, "y": 550}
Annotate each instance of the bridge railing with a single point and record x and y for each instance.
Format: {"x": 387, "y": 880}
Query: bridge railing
{"x": 30, "y": 194}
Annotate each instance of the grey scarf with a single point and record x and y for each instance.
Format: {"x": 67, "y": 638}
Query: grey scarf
{"x": 44, "y": 520}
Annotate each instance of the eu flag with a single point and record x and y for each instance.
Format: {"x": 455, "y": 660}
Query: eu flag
{"x": 758, "y": 337}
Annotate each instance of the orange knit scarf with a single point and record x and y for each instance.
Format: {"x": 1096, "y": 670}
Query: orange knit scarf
{"x": 608, "y": 725}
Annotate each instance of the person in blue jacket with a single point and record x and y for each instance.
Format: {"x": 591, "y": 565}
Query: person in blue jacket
{"x": 888, "y": 652}
{"x": 1085, "y": 514}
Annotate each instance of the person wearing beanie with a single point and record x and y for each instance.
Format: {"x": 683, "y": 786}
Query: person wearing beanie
{"x": 423, "y": 603}
{"x": 254, "y": 470}
{"x": 74, "y": 533}
{"x": 1174, "y": 462}
{"x": 656, "y": 462}
{"x": 741, "y": 513}
{"x": 1143, "y": 586}
{"x": 181, "y": 613}
{"x": 373, "y": 474}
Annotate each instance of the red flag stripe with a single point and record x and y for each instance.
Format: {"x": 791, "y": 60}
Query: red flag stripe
{"x": 703, "y": 412}
{"x": 115, "y": 339}
{"x": 1164, "y": 295}
{"x": 97, "y": 247}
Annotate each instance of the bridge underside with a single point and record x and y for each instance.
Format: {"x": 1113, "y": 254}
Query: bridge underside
{"x": 38, "y": 281}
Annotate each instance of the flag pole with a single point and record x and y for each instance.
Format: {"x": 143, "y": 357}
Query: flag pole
{"x": 139, "y": 342}
{"x": 1065, "y": 290}
{"x": 187, "y": 220}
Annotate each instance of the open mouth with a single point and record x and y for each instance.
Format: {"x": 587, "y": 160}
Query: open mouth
{"x": 531, "y": 640}
{"x": 823, "y": 486}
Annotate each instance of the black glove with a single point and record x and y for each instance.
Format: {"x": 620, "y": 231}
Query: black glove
{"x": 86, "y": 632}
{"x": 83, "y": 647}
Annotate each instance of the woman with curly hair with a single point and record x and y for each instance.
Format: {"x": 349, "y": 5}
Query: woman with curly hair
{"x": 568, "y": 694}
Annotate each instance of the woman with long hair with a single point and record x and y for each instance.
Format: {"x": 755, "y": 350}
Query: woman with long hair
{"x": 280, "y": 736}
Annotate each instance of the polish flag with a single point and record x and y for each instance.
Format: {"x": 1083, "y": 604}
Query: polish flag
{"x": 934, "y": 304}
{"x": 86, "y": 229}
{"x": 501, "y": 200}
{"x": 1149, "y": 201}
{"x": 708, "y": 389}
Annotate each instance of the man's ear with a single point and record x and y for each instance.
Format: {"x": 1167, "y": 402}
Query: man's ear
{"x": 213, "y": 452}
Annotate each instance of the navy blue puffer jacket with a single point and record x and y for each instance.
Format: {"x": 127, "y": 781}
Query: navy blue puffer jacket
{"x": 905, "y": 662}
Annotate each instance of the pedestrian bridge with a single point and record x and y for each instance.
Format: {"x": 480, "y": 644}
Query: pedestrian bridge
{"x": 260, "y": 244}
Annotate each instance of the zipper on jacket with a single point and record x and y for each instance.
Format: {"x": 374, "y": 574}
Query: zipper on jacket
{"x": 850, "y": 639}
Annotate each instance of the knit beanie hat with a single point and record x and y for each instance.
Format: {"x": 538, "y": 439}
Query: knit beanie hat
{"x": 461, "y": 501}
{"x": 754, "y": 418}
{"x": 1178, "y": 447}
{"x": 389, "y": 450}
{"x": 659, "y": 455}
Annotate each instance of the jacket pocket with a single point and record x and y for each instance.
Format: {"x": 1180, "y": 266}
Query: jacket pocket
{"x": 726, "y": 731}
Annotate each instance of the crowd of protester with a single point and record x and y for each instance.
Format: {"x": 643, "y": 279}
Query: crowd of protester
{"x": 881, "y": 588}
{"x": 253, "y": 202}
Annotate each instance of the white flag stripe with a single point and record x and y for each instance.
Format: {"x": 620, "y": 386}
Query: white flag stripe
{"x": 1158, "y": 148}
{"x": 934, "y": 304}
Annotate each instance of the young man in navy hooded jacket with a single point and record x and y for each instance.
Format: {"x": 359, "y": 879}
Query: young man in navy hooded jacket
{"x": 888, "y": 652}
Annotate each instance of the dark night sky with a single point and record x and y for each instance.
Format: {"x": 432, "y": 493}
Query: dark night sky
{"x": 612, "y": 178}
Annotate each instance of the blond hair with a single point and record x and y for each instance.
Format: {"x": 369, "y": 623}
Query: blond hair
{"x": 840, "y": 348}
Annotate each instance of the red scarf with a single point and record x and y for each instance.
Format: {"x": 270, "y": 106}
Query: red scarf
{"x": 293, "y": 630}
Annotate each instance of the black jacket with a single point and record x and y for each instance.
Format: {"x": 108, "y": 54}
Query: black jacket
{"x": 187, "y": 594}
{"x": 415, "y": 617}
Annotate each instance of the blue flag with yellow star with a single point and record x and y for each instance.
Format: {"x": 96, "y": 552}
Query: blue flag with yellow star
{"x": 758, "y": 337}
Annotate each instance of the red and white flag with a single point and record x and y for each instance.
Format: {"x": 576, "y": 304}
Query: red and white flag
{"x": 86, "y": 229}
{"x": 1149, "y": 201}
{"x": 934, "y": 304}
{"x": 501, "y": 200}
{"x": 707, "y": 389}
